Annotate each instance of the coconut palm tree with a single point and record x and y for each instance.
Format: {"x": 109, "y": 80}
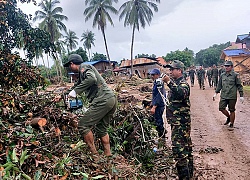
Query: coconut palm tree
{"x": 88, "y": 38}
{"x": 71, "y": 40}
{"x": 100, "y": 10}
{"x": 137, "y": 13}
{"x": 51, "y": 17}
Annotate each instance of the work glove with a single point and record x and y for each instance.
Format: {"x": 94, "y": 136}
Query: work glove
{"x": 72, "y": 94}
{"x": 214, "y": 96}
{"x": 241, "y": 99}
{"x": 166, "y": 79}
{"x": 159, "y": 83}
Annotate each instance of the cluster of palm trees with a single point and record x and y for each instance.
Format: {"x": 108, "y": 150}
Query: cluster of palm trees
{"x": 136, "y": 13}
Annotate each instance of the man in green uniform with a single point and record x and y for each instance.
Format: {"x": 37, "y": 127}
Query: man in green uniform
{"x": 178, "y": 116}
{"x": 191, "y": 74}
{"x": 201, "y": 77}
{"x": 228, "y": 85}
{"x": 215, "y": 74}
{"x": 102, "y": 101}
{"x": 209, "y": 76}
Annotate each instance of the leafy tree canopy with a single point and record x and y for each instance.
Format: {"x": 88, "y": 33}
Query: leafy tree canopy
{"x": 186, "y": 56}
{"x": 209, "y": 56}
{"x": 145, "y": 55}
{"x": 79, "y": 51}
{"x": 16, "y": 32}
{"x": 97, "y": 57}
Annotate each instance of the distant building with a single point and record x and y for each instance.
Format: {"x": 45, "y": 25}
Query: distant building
{"x": 239, "y": 53}
{"x": 142, "y": 66}
{"x": 102, "y": 65}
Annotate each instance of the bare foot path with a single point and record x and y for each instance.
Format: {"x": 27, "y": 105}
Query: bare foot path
{"x": 219, "y": 153}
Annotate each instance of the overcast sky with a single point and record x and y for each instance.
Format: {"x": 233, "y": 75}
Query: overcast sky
{"x": 196, "y": 24}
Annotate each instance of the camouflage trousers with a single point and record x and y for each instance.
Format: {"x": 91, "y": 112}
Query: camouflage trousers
{"x": 182, "y": 148}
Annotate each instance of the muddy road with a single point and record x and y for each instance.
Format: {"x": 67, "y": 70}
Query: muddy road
{"x": 219, "y": 153}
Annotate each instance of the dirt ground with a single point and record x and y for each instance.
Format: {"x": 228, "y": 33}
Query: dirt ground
{"x": 219, "y": 153}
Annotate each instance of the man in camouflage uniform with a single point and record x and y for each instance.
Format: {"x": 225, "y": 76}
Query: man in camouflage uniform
{"x": 228, "y": 85}
{"x": 209, "y": 76}
{"x": 102, "y": 101}
{"x": 178, "y": 116}
{"x": 191, "y": 74}
{"x": 201, "y": 77}
{"x": 215, "y": 74}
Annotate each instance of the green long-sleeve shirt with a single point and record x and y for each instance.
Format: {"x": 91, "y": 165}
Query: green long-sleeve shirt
{"x": 92, "y": 84}
{"x": 228, "y": 85}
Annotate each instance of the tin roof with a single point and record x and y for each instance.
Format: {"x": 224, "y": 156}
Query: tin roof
{"x": 236, "y": 52}
{"x": 94, "y": 62}
{"x": 240, "y": 38}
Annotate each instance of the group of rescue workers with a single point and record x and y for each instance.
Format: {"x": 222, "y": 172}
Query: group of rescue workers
{"x": 103, "y": 104}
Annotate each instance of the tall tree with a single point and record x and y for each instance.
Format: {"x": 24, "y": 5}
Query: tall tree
{"x": 211, "y": 55}
{"x": 186, "y": 56}
{"x": 88, "y": 38}
{"x": 71, "y": 40}
{"x": 100, "y": 10}
{"x": 137, "y": 13}
{"x": 52, "y": 23}
{"x": 51, "y": 18}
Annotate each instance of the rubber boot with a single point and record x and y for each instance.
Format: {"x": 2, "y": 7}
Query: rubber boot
{"x": 106, "y": 145}
{"x": 183, "y": 172}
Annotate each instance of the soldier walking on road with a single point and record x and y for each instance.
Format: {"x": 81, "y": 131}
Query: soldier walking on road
{"x": 201, "y": 77}
{"x": 228, "y": 85}
{"x": 191, "y": 74}
{"x": 209, "y": 76}
{"x": 214, "y": 74}
{"x": 178, "y": 116}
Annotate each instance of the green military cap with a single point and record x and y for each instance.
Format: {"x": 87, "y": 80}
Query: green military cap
{"x": 176, "y": 64}
{"x": 74, "y": 58}
{"x": 228, "y": 63}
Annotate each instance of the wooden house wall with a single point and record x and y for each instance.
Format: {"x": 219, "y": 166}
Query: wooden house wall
{"x": 101, "y": 66}
{"x": 240, "y": 68}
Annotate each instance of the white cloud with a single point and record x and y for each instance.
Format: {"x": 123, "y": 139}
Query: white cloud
{"x": 196, "y": 24}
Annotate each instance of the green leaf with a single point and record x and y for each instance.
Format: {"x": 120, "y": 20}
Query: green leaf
{"x": 14, "y": 156}
{"x": 23, "y": 157}
{"x": 84, "y": 175}
{"x": 98, "y": 177}
{"x": 26, "y": 176}
{"x": 38, "y": 175}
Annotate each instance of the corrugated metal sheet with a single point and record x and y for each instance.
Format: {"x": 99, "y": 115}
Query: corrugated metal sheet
{"x": 94, "y": 62}
{"x": 236, "y": 52}
{"x": 240, "y": 38}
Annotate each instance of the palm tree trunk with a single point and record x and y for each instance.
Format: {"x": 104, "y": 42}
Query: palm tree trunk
{"x": 46, "y": 70}
{"x": 89, "y": 54}
{"x": 132, "y": 47}
{"x": 106, "y": 46}
{"x": 48, "y": 66}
